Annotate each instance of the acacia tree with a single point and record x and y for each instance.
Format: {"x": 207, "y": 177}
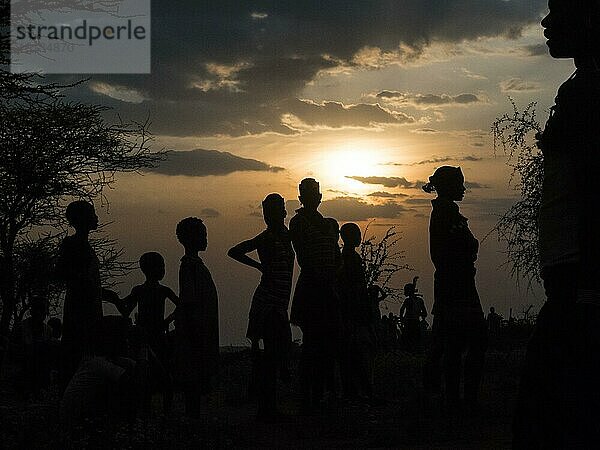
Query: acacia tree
{"x": 383, "y": 260}
{"x": 516, "y": 134}
{"x": 52, "y": 151}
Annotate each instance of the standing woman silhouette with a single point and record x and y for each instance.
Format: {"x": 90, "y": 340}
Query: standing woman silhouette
{"x": 458, "y": 324}
{"x": 559, "y": 399}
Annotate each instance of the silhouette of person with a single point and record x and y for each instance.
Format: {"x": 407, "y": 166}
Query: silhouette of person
{"x": 196, "y": 317}
{"x": 315, "y": 306}
{"x": 412, "y": 312}
{"x": 268, "y": 318}
{"x": 494, "y": 321}
{"x": 459, "y": 324}
{"x": 559, "y": 400}
{"x": 79, "y": 268}
{"x": 150, "y": 299}
{"x": 106, "y": 383}
{"x": 55, "y": 325}
{"x": 358, "y": 346}
{"x": 376, "y": 296}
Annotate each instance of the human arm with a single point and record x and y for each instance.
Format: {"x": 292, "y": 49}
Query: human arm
{"x": 239, "y": 253}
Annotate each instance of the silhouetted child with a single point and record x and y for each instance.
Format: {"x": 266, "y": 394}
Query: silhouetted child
{"x": 107, "y": 382}
{"x": 196, "y": 317}
{"x": 150, "y": 299}
{"x": 79, "y": 268}
{"x": 268, "y": 318}
{"x": 412, "y": 312}
{"x": 358, "y": 349}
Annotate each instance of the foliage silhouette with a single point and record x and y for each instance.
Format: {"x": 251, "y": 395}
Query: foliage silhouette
{"x": 515, "y": 134}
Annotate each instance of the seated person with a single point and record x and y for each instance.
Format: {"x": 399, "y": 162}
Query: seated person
{"x": 107, "y": 382}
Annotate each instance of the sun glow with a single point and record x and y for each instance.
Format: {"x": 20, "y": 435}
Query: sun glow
{"x": 355, "y": 158}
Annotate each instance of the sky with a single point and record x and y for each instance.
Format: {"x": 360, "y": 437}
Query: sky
{"x": 366, "y": 97}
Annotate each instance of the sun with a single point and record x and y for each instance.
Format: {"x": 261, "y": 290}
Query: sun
{"x": 351, "y": 159}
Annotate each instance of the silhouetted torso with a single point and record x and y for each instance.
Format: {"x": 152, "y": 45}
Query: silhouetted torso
{"x": 453, "y": 251}
{"x": 79, "y": 267}
{"x": 197, "y": 320}
{"x": 315, "y": 242}
{"x": 272, "y": 296}
{"x": 352, "y": 286}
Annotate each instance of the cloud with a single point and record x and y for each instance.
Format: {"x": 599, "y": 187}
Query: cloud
{"x": 388, "y": 182}
{"x": 306, "y": 113}
{"x": 355, "y": 209}
{"x": 469, "y": 158}
{"x": 401, "y": 182}
{"x": 519, "y": 85}
{"x": 209, "y": 213}
{"x": 427, "y": 100}
{"x": 535, "y": 50}
{"x": 202, "y": 163}
{"x": 384, "y": 194}
{"x": 230, "y": 67}
{"x": 121, "y": 93}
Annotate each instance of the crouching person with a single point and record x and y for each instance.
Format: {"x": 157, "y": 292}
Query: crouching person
{"x": 106, "y": 385}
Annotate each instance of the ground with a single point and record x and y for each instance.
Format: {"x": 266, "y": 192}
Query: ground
{"x": 404, "y": 417}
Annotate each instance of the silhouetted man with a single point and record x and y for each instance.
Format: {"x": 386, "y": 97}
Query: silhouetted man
{"x": 559, "y": 399}
{"x": 315, "y": 306}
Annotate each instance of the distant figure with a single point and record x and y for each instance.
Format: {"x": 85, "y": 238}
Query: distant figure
{"x": 412, "y": 312}
{"x": 358, "y": 346}
{"x": 106, "y": 384}
{"x": 315, "y": 307}
{"x": 494, "y": 321}
{"x": 376, "y": 296}
{"x": 33, "y": 347}
{"x": 197, "y": 318}
{"x": 559, "y": 399}
{"x": 269, "y": 310}
{"x": 79, "y": 268}
{"x": 150, "y": 299}
{"x": 459, "y": 325}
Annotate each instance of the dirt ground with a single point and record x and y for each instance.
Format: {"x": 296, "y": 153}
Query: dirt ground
{"x": 403, "y": 416}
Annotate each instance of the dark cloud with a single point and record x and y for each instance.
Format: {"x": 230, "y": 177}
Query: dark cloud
{"x": 354, "y": 208}
{"x": 388, "y": 182}
{"x": 383, "y": 194}
{"x": 337, "y": 115}
{"x": 535, "y": 50}
{"x": 401, "y": 182}
{"x": 444, "y": 159}
{"x": 427, "y": 100}
{"x": 209, "y": 213}
{"x": 519, "y": 85}
{"x": 234, "y": 67}
{"x": 202, "y": 163}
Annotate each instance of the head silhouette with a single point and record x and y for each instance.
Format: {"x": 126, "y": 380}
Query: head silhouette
{"x": 273, "y": 207}
{"x": 82, "y": 216}
{"x": 448, "y": 182}
{"x": 152, "y": 265}
{"x": 310, "y": 194}
{"x": 492, "y": 309}
{"x": 351, "y": 235}
{"x": 572, "y": 30}
{"x": 409, "y": 289}
{"x": 191, "y": 232}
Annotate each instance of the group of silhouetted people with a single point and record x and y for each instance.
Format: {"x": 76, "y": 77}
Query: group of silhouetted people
{"x": 106, "y": 366}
